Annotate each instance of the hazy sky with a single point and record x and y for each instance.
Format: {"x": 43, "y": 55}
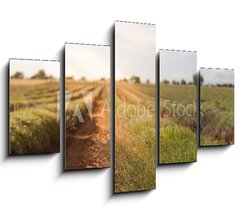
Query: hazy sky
{"x": 135, "y": 48}
{"x": 177, "y": 65}
{"x": 31, "y": 67}
{"x": 217, "y": 76}
{"x": 91, "y": 62}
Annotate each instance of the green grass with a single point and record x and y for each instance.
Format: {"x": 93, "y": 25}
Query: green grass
{"x": 77, "y": 101}
{"x": 184, "y": 94}
{"x": 217, "y": 116}
{"x": 135, "y": 157}
{"x": 178, "y": 134}
{"x": 34, "y": 127}
{"x": 177, "y": 143}
{"x": 33, "y": 131}
{"x": 135, "y": 144}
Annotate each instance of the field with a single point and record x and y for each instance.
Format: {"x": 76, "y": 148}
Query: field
{"x": 217, "y": 116}
{"x": 135, "y": 144}
{"x": 178, "y": 141}
{"x": 87, "y": 134}
{"x": 34, "y": 127}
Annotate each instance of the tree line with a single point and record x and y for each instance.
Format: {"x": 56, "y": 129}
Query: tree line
{"x": 184, "y": 82}
{"x": 194, "y": 81}
{"x": 135, "y": 80}
{"x": 40, "y": 75}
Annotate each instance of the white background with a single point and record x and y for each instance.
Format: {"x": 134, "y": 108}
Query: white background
{"x": 35, "y": 185}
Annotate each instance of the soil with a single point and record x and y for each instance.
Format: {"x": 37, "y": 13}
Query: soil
{"x": 88, "y": 147}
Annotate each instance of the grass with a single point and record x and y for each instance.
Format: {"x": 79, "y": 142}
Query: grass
{"x": 217, "y": 116}
{"x": 178, "y": 135}
{"x": 135, "y": 144}
{"x": 90, "y": 91}
{"x": 177, "y": 143}
{"x": 33, "y": 131}
{"x": 34, "y": 127}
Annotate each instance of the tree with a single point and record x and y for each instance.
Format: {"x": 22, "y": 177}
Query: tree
{"x": 40, "y": 75}
{"x": 17, "y": 75}
{"x": 196, "y": 77}
{"x": 225, "y": 85}
{"x": 125, "y": 80}
{"x": 147, "y": 81}
{"x": 135, "y": 79}
{"x": 82, "y": 79}
{"x": 165, "y": 82}
{"x": 183, "y": 82}
{"x": 69, "y": 78}
{"x": 174, "y": 82}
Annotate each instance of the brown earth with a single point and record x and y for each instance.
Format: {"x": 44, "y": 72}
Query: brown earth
{"x": 88, "y": 146}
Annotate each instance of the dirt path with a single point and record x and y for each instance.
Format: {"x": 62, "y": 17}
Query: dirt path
{"x": 89, "y": 146}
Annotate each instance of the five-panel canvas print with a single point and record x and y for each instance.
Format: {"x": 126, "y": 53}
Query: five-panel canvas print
{"x": 120, "y": 98}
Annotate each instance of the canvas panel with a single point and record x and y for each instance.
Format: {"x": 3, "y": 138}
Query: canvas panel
{"x": 34, "y": 120}
{"x": 135, "y": 142}
{"x": 178, "y": 120}
{"x": 217, "y": 107}
{"x": 87, "y": 96}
